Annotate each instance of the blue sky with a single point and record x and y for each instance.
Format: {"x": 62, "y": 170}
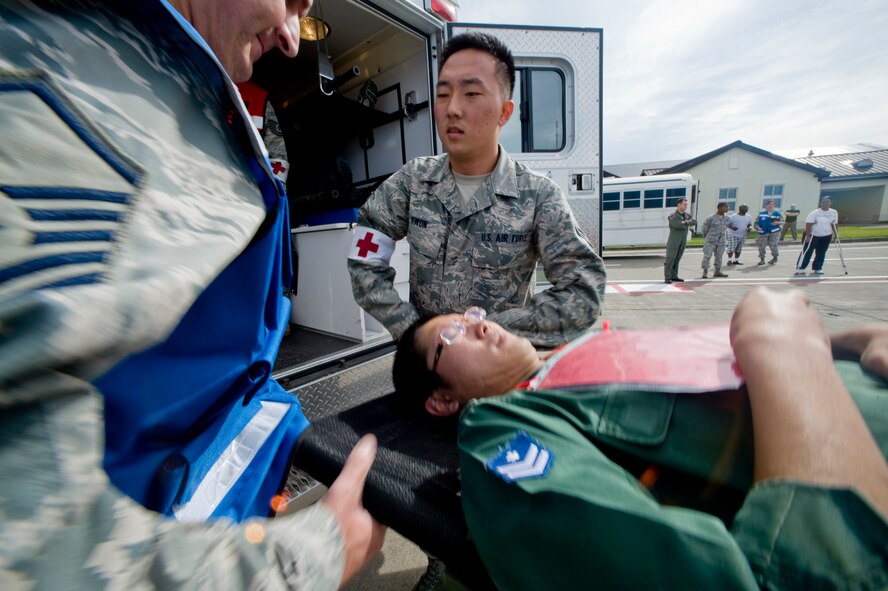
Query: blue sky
{"x": 682, "y": 77}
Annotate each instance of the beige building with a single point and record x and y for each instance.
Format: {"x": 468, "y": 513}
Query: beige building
{"x": 739, "y": 173}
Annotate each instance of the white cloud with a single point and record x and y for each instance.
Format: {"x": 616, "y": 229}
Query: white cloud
{"x": 683, "y": 77}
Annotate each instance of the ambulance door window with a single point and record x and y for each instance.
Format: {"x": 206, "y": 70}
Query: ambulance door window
{"x": 538, "y": 123}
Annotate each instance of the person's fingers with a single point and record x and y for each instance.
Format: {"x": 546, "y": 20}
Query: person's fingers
{"x": 768, "y": 314}
{"x": 875, "y": 357}
{"x": 362, "y": 535}
{"x": 357, "y": 466}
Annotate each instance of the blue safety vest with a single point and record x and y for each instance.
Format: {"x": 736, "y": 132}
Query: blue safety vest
{"x": 195, "y": 426}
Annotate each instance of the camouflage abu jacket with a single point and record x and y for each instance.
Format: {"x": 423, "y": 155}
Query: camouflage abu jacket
{"x": 138, "y": 216}
{"x": 714, "y": 227}
{"x": 481, "y": 255}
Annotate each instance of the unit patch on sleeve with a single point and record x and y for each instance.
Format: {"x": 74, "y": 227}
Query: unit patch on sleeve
{"x": 520, "y": 459}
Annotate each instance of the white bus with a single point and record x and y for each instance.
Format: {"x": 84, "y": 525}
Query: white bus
{"x": 634, "y": 209}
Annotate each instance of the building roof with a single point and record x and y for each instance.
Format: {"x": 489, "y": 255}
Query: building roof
{"x": 851, "y": 166}
{"x": 797, "y": 153}
{"x": 638, "y": 168}
{"x": 688, "y": 164}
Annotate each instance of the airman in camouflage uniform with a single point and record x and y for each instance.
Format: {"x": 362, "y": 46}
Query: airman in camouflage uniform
{"x": 131, "y": 181}
{"x": 483, "y": 254}
{"x": 679, "y": 223}
{"x": 479, "y": 248}
{"x": 714, "y": 239}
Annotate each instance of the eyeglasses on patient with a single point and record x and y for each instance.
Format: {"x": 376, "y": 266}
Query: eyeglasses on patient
{"x": 453, "y": 332}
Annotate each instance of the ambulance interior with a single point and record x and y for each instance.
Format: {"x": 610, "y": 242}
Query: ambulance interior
{"x": 353, "y": 107}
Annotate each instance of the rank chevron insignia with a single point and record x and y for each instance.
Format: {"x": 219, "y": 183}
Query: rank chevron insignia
{"x": 520, "y": 459}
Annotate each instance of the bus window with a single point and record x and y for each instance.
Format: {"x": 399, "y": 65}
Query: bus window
{"x": 631, "y": 199}
{"x": 611, "y": 201}
{"x": 673, "y": 196}
{"x": 653, "y": 199}
{"x": 647, "y": 201}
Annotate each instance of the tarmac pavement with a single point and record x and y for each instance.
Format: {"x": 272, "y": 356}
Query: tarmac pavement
{"x": 637, "y": 296}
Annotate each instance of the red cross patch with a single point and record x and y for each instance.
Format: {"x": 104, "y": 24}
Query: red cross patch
{"x": 371, "y": 246}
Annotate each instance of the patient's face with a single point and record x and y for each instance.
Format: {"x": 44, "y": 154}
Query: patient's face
{"x": 487, "y": 361}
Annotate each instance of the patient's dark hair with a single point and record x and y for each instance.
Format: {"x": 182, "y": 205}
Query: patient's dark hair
{"x": 414, "y": 381}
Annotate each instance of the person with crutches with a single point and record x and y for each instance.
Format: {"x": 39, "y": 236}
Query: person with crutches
{"x": 819, "y": 227}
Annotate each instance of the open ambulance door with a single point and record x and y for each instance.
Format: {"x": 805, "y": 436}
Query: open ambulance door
{"x": 556, "y": 127}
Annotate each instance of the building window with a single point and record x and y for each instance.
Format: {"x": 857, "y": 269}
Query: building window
{"x": 729, "y": 196}
{"x": 774, "y": 192}
{"x": 631, "y": 199}
{"x": 653, "y": 199}
{"x": 673, "y": 196}
{"x": 611, "y": 201}
{"x": 538, "y": 123}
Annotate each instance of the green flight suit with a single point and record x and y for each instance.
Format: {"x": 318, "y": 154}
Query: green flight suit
{"x": 679, "y": 223}
{"x": 589, "y": 523}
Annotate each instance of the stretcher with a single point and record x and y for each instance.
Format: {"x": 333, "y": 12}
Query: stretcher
{"x": 413, "y": 486}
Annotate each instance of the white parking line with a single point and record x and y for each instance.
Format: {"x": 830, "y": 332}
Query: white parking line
{"x": 636, "y": 286}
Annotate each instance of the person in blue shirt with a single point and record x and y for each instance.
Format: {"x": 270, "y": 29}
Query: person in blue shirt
{"x": 768, "y": 225}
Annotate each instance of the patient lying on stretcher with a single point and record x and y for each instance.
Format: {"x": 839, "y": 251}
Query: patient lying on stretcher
{"x": 766, "y": 412}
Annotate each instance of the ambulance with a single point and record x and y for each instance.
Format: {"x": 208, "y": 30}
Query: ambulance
{"x": 356, "y": 104}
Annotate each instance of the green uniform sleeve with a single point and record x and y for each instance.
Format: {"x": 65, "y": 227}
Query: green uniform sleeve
{"x": 807, "y": 537}
{"x": 586, "y": 524}
{"x": 573, "y": 303}
{"x": 676, "y": 223}
{"x": 373, "y": 285}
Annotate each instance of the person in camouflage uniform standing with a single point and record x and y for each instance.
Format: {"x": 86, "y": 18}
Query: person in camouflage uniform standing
{"x": 767, "y": 223}
{"x": 679, "y": 224}
{"x": 714, "y": 229}
{"x": 477, "y": 221}
{"x": 137, "y": 207}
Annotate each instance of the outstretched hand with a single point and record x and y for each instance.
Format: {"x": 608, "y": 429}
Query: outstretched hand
{"x": 361, "y": 533}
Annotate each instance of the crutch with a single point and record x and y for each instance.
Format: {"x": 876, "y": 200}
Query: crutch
{"x": 804, "y": 252}
{"x": 839, "y": 243}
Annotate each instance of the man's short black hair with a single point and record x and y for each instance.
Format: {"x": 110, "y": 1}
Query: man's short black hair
{"x": 505, "y": 70}
{"x": 414, "y": 381}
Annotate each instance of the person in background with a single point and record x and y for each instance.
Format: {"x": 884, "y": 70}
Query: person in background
{"x": 265, "y": 119}
{"x": 679, "y": 223}
{"x": 145, "y": 250}
{"x": 714, "y": 229}
{"x": 768, "y": 225}
{"x": 477, "y": 221}
{"x": 820, "y": 225}
{"x": 789, "y": 225}
{"x": 738, "y": 225}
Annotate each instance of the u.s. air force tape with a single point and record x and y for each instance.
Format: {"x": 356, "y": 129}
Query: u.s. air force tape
{"x": 521, "y": 458}
{"x": 371, "y": 246}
